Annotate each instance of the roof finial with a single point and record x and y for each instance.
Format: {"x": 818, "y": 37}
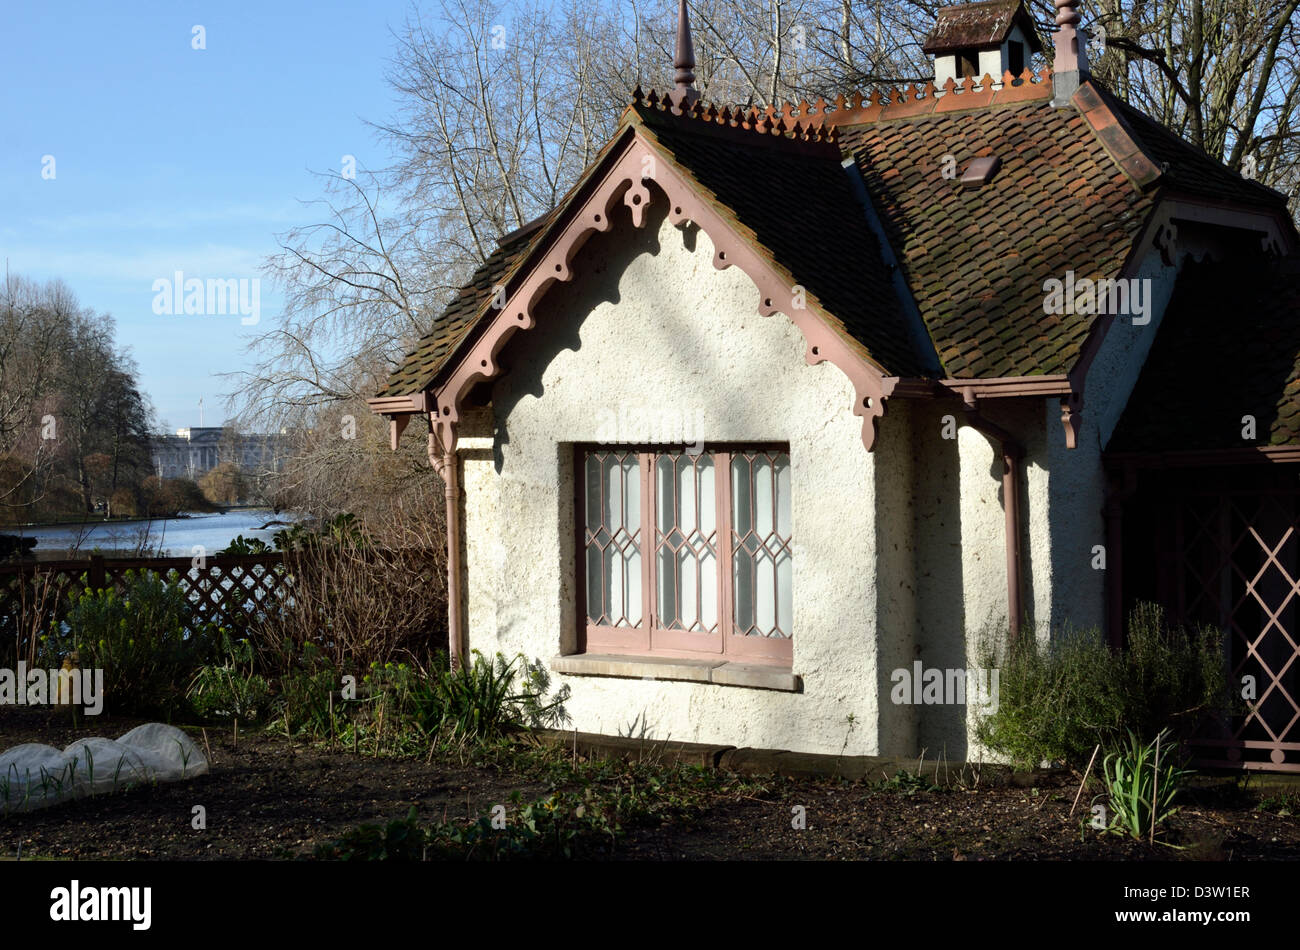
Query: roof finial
{"x": 1070, "y": 64}
{"x": 685, "y": 92}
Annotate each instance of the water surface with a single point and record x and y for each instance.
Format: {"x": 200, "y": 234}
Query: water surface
{"x": 174, "y": 537}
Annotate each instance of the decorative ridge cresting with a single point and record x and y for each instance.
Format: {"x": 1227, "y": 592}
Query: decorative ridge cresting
{"x": 752, "y": 120}
{"x": 879, "y": 105}
{"x": 808, "y": 122}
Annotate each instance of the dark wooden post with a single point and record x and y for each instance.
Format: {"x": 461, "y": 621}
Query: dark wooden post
{"x": 97, "y": 573}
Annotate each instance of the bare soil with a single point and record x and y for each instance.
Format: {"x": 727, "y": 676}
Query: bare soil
{"x": 268, "y": 798}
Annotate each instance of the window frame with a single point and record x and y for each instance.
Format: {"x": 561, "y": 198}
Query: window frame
{"x": 649, "y": 637}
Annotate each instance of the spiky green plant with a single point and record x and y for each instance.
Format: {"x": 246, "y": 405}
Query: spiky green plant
{"x": 1142, "y": 782}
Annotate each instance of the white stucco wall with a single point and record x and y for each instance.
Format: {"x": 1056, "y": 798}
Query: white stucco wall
{"x": 1070, "y": 497}
{"x": 484, "y": 550}
{"x": 955, "y": 494}
{"x": 895, "y": 571}
{"x": 650, "y": 324}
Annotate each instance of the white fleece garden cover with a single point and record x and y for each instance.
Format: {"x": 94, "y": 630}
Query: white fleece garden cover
{"x": 34, "y": 775}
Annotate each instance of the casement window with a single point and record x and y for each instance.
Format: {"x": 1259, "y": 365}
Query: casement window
{"x": 687, "y": 555}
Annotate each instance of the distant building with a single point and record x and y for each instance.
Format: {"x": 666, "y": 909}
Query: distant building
{"x": 195, "y": 451}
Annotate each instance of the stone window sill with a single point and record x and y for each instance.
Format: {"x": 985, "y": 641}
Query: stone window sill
{"x": 718, "y": 672}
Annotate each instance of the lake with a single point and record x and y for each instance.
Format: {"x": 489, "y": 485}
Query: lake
{"x": 174, "y": 537}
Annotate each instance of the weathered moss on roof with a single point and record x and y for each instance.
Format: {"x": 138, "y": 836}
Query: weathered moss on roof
{"x": 976, "y": 258}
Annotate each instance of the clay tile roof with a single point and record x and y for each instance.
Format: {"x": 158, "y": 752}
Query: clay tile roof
{"x": 799, "y": 206}
{"x": 976, "y": 258}
{"x": 1074, "y": 191}
{"x": 965, "y": 25}
{"x": 1228, "y": 347}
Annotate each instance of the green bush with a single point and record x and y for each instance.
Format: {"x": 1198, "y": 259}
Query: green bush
{"x": 146, "y": 640}
{"x": 303, "y": 701}
{"x": 342, "y": 531}
{"x": 404, "y": 709}
{"x": 231, "y": 690}
{"x": 478, "y": 702}
{"x": 245, "y": 546}
{"x": 478, "y": 699}
{"x": 1061, "y": 699}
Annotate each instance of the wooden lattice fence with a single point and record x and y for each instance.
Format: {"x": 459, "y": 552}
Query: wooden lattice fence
{"x": 230, "y": 590}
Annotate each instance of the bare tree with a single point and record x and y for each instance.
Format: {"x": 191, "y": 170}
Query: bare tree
{"x": 32, "y": 332}
{"x": 1225, "y": 74}
{"x": 72, "y": 418}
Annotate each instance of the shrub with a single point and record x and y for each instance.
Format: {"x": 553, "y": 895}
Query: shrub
{"x": 341, "y": 531}
{"x": 169, "y": 497}
{"x": 36, "y": 602}
{"x": 243, "y": 545}
{"x": 1059, "y": 700}
{"x": 304, "y": 695}
{"x": 406, "y": 697}
{"x": 356, "y": 606}
{"x": 404, "y": 708}
{"x": 231, "y": 690}
{"x": 124, "y": 503}
{"x": 223, "y": 485}
{"x": 145, "y": 639}
{"x": 480, "y": 700}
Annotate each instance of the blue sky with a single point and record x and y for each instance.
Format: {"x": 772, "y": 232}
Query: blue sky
{"x": 168, "y": 158}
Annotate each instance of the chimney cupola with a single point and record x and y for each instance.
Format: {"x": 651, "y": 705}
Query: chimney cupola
{"x": 992, "y": 37}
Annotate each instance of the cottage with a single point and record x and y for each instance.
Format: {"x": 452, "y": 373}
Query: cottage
{"x": 920, "y": 407}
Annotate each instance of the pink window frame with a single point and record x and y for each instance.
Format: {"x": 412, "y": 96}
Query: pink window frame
{"x": 649, "y": 638}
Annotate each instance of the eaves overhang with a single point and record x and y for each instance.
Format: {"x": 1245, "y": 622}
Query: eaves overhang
{"x": 635, "y": 174}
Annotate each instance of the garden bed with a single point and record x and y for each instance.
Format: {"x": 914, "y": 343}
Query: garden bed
{"x": 267, "y": 798}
